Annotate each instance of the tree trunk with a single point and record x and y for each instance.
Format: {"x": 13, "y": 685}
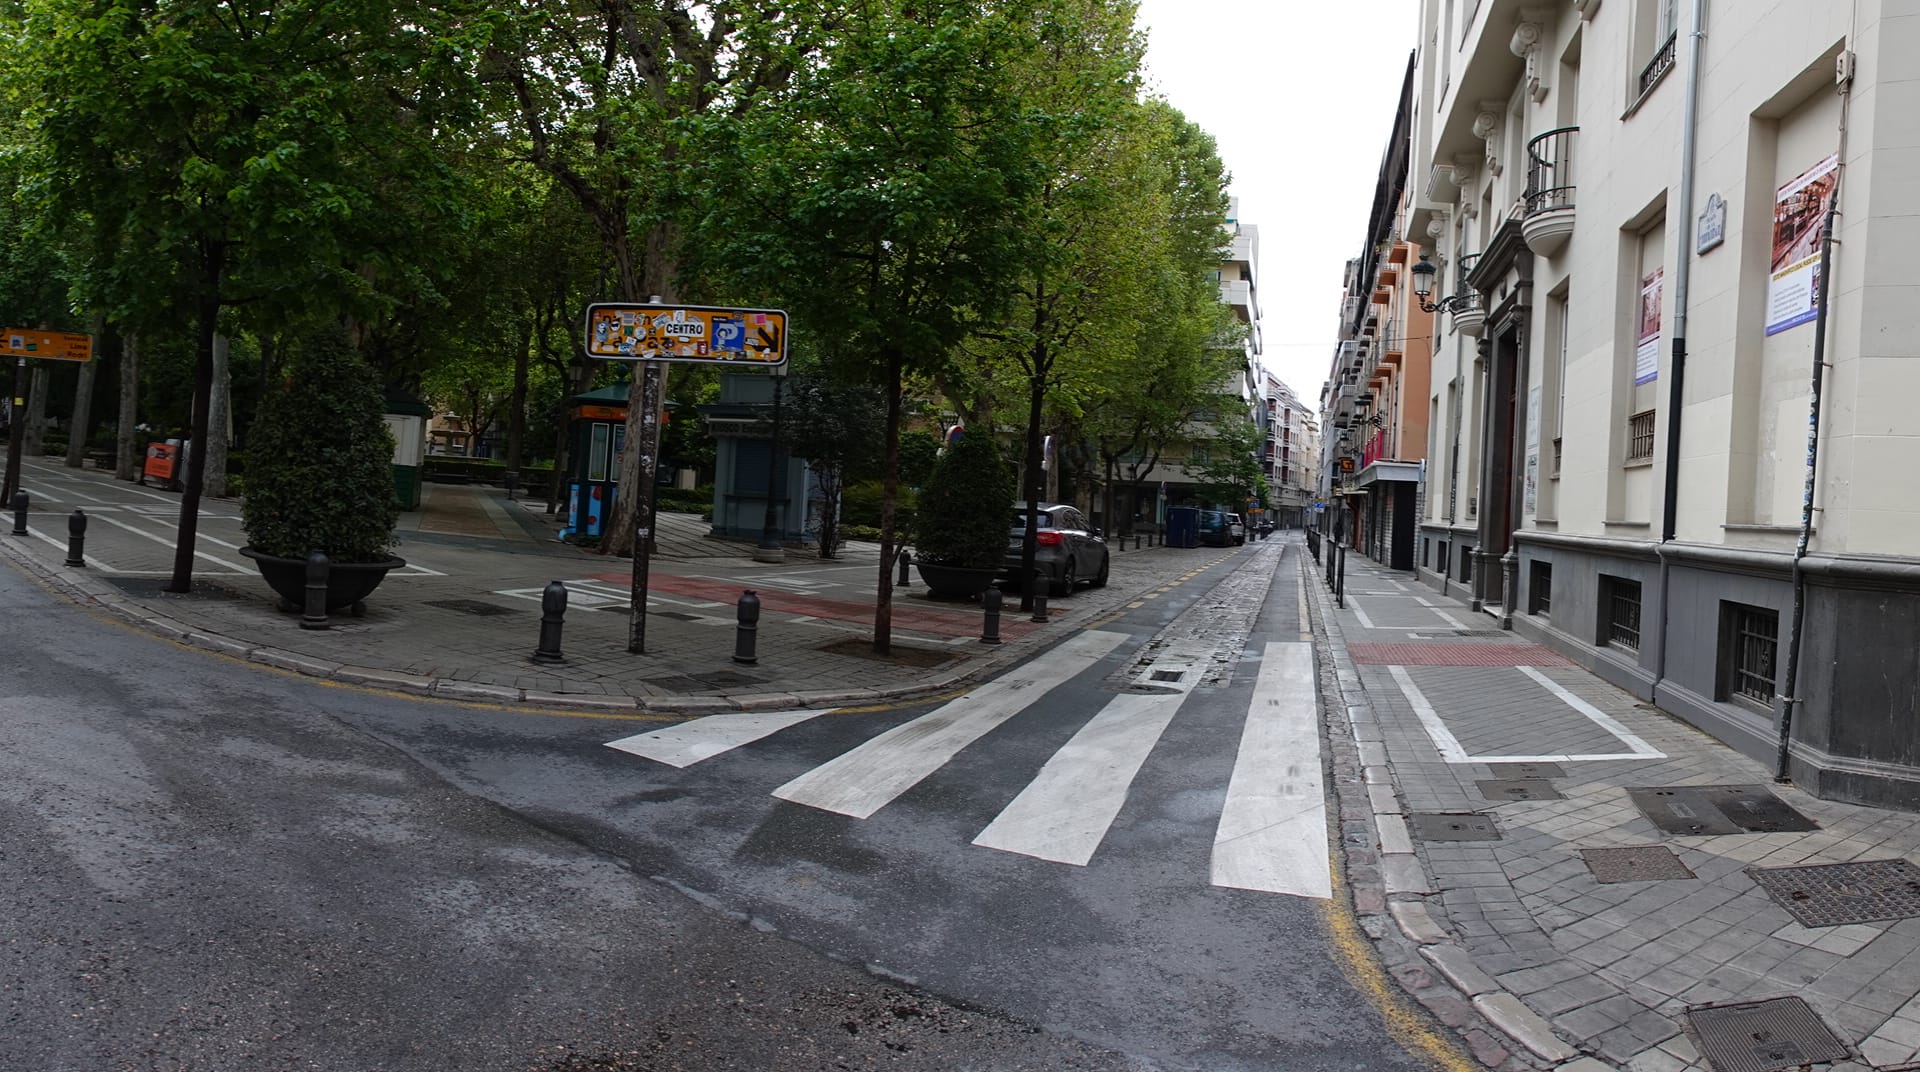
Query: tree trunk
{"x": 81, "y": 426}
{"x": 218, "y": 420}
{"x": 209, "y": 313}
{"x": 127, "y": 461}
{"x": 36, "y": 413}
{"x": 16, "y": 431}
{"x": 517, "y": 402}
{"x": 889, "y": 492}
{"x": 829, "y": 479}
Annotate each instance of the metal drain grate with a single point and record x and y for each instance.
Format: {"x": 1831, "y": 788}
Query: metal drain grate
{"x": 1169, "y": 675}
{"x": 1518, "y": 789}
{"x": 1454, "y": 826}
{"x": 1831, "y": 895}
{"x": 1700, "y": 810}
{"x": 1641, "y": 863}
{"x": 471, "y": 606}
{"x": 1762, "y": 1036}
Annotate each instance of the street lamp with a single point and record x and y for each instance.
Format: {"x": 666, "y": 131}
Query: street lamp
{"x": 1423, "y": 274}
{"x": 771, "y": 548}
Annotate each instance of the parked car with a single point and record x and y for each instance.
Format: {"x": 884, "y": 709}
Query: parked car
{"x": 1067, "y": 548}
{"x": 1221, "y": 529}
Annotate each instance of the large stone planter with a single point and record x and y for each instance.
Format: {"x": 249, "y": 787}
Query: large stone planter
{"x": 348, "y": 583}
{"x": 954, "y": 582}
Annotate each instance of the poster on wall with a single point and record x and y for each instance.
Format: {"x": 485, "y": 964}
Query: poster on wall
{"x": 1533, "y": 450}
{"x": 1798, "y": 209}
{"x": 1646, "y": 351}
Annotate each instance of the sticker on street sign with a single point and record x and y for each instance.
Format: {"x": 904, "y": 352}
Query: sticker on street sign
{"x": 693, "y": 333}
{"x": 49, "y": 345}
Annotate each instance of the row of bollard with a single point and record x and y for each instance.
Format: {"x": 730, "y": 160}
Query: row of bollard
{"x": 76, "y": 529}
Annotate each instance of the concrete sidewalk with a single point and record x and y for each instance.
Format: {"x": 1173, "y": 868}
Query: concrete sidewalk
{"x": 1589, "y": 936}
{"x": 464, "y": 618}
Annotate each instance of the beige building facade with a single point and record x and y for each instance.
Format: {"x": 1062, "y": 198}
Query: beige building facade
{"x": 1625, "y": 203}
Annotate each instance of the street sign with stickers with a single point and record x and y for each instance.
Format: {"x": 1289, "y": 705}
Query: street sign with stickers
{"x": 48, "y": 345}
{"x": 700, "y": 334}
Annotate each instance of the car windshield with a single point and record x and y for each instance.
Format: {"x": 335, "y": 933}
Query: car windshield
{"x": 1020, "y": 519}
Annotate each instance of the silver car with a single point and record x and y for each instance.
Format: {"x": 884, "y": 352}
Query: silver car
{"x": 1067, "y": 549}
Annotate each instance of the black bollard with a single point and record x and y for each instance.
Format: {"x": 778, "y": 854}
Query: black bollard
{"x": 315, "y": 615}
{"x": 1340, "y": 581}
{"x": 1039, "y": 597}
{"x": 553, "y": 613}
{"x": 77, "y": 538}
{"x": 19, "y": 513}
{"x": 990, "y": 628}
{"x": 511, "y": 478}
{"x": 747, "y": 633}
{"x": 1136, "y": 541}
{"x": 905, "y": 561}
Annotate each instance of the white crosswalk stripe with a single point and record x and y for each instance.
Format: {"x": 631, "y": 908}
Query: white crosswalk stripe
{"x": 1272, "y": 834}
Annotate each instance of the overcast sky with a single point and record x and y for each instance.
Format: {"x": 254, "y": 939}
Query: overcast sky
{"x": 1300, "y": 96}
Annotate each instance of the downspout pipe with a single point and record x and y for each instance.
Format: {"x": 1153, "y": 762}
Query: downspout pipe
{"x": 1790, "y": 685}
{"x": 1677, "y": 373}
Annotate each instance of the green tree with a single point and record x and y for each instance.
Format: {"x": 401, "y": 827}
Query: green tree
{"x": 837, "y": 427}
{"x": 1231, "y": 473}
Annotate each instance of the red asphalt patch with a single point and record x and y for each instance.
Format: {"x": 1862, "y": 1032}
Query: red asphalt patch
{"x": 1456, "y": 655}
{"x": 963, "y": 619}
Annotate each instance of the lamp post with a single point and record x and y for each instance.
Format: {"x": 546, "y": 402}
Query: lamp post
{"x": 1423, "y": 274}
{"x": 771, "y": 548}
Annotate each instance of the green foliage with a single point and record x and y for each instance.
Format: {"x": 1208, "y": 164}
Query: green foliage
{"x": 965, "y": 506}
{"x": 860, "y": 505}
{"x": 320, "y": 473}
{"x": 919, "y": 450}
{"x": 694, "y": 501}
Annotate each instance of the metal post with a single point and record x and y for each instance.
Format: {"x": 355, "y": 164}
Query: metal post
{"x": 1039, "y": 590}
{"x": 1340, "y": 581}
{"x": 315, "y": 615}
{"x": 19, "y": 502}
{"x": 511, "y": 478}
{"x": 77, "y": 538}
{"x": 905, "y": 561}
{"x": 990, "y": 628}
{"x": 1136, "y": 541}
{"x": 747, "y": 632}
{"x": 553, "y": 613}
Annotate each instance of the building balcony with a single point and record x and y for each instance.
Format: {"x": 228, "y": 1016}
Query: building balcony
{"x": 1549, "y": 197}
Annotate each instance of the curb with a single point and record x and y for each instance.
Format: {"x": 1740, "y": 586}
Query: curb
{"x": 85, "y": 590}
{"x": 1395, "y": 909}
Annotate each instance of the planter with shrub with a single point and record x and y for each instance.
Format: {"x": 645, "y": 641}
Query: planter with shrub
{"x": 320, "y": 477}
{"x": 960, "y": 529}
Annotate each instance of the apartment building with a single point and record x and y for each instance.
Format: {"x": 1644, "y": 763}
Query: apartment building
{"x": 1671, "y": 427}
{"x": 1290, "y": 453}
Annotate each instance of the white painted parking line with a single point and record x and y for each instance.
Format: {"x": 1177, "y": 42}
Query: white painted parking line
{"x": 1066, "y": 811}
{"x": 61, "y": 544}
{"x": 687, "y": 743}
{"x": 1354, "y": 606}
{"x": 1273, "y": 829}
{"x": 235, "y": 566}
{"x": 36, "y": 492}
{"x": 866, "y": 779}
{"x": 1451, "y": 621}
{"x": 1451, "y": 750}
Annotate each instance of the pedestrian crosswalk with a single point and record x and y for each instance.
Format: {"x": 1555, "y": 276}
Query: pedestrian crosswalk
{"x": 1272, "y": 831}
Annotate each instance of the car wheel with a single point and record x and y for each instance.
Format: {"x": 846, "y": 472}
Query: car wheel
{"x": 1100, "y": 579}
{"x": 1063, "y": 584}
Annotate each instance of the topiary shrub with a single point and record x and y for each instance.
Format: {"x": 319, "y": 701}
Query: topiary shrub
{"x": 320, "y": 459}
{"x": 966, "y": 506}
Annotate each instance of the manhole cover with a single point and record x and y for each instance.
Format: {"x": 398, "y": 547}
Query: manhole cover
{"x": 1526, "y": 770}
{"x": 1518, "y": 789}
{"x": 471, "y": 606}
{"x": 1762, "y": 1036}
{"x": 1642, "y": 863}
{"x": 1451, "y": 826}
{"x": 1830, "y": 895}
{"x": 1717, "y": 809}
{"x": 1169, "y": 675}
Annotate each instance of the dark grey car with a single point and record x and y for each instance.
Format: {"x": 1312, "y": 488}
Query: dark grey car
{"x": 1068, "y": 549}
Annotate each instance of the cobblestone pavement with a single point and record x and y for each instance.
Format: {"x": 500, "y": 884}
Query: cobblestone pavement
{"x": 463, "y": 618}
{"x": 1587, "y": 958}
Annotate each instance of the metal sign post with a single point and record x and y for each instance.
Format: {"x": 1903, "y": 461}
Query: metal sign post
{"x": 24, "y": 343}
{"x": 653, "y": 333}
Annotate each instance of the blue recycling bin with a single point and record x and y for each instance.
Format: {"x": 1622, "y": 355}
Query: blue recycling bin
{"x": 1183, "y": 526}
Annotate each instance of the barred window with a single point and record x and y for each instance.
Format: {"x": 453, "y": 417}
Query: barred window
{"x": 1640, "y": 437}
{"x": 1620, "y": 605}
{"x": 1750, "y": 638}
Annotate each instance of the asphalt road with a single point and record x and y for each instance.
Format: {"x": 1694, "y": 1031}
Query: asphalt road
{"x": 211, "y": 867}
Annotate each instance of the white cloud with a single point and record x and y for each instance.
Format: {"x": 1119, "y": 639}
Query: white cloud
{"x": 1300, "y": 96}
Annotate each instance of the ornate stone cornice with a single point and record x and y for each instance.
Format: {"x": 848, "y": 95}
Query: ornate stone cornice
{"x": 1529, "y": 42}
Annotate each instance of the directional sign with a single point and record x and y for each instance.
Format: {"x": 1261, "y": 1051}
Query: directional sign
{"x": 700, "y": 334}
{"x": 50, "y": 345}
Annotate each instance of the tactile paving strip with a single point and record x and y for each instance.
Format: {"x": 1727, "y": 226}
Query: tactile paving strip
{"x": 1831, "y": 895}
{"x": 1762, "y": 1036}
{"x": 1641, "y": 863}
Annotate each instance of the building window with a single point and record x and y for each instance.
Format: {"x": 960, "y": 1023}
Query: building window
{"x": 1540, "y": 589}
{"x": 1640, "y": 437}
{"x": 1444, "y": 564}
{"x": 1749, "y": 639}
{"x": 1466, "y": 565}
{"x": 1200, "y": 455}
{"x": 1657, "y": 34}
{"x": 1620, "y": 610}
{"x": 1426, "y": 552}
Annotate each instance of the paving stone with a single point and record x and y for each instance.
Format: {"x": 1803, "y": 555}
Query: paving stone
{"x": 1460, "y": 970}
{"x": 1523, "y": 1025}
{"x": 1416, "y": 922}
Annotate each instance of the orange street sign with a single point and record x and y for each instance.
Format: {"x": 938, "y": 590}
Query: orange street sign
{"x": 701, "y": 334}
{"x": 51, "y": 345}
